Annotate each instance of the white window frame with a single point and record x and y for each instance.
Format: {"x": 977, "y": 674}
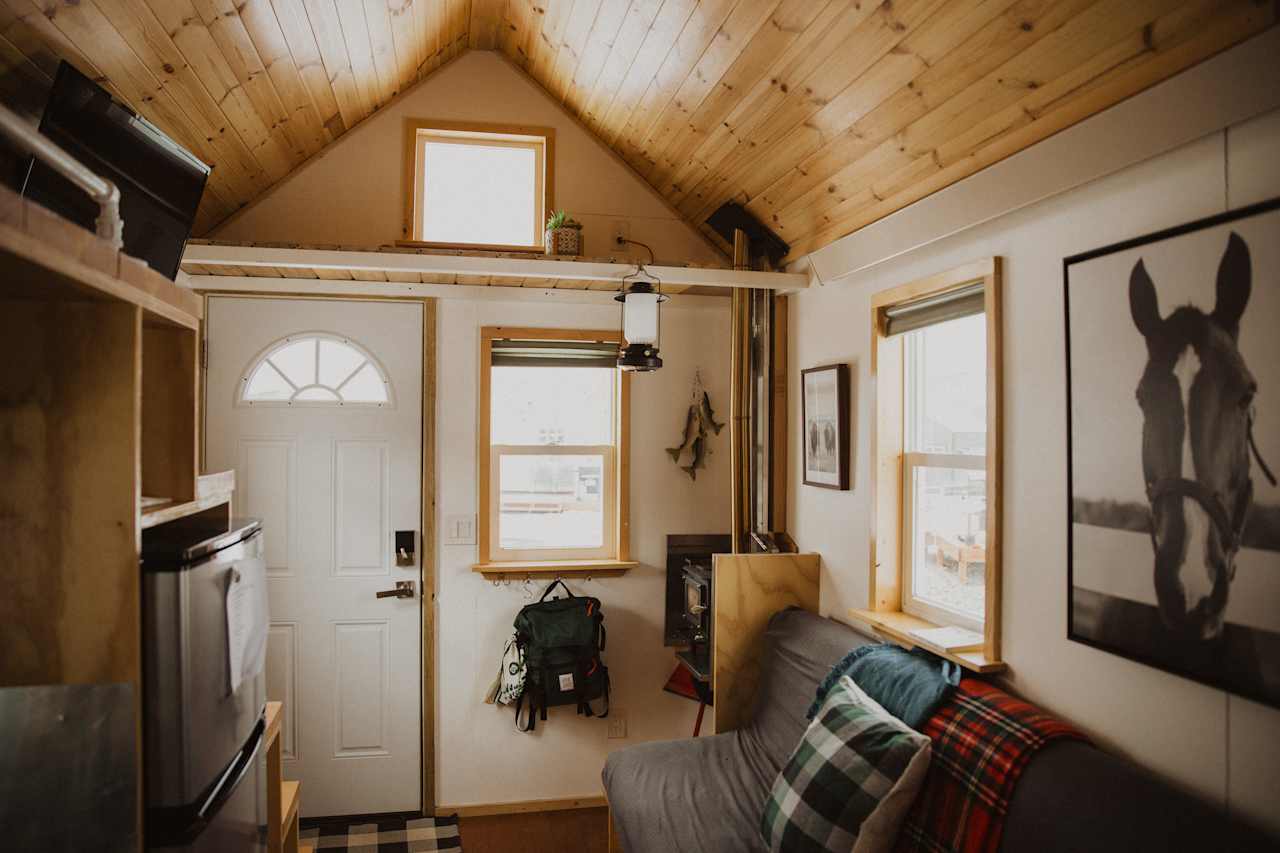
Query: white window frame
{"x": 541, "y": 140}
{"x": 264, "y": 355}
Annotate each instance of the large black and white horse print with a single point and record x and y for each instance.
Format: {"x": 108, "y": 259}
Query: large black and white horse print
{"x": 1197, "y": 397}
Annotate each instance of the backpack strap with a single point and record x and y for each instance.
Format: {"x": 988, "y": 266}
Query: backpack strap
{"x": 605, "y": 712}
{"x": 531, "y": 720}
{"x": 553, "y": 585}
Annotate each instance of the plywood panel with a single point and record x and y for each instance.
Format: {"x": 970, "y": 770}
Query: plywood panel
{"x": 748, "y": 590}
{"x": 169, "y": 444}
{"x": 69, "y": 403}
{"x": 819, "y": 117}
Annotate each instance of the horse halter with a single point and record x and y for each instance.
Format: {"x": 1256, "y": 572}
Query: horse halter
{"x": 1210, "y": 500}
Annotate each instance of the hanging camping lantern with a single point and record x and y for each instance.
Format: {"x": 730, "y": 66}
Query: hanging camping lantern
{"x": 641, "y": 298}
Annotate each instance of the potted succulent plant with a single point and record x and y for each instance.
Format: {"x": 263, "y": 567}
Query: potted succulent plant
{"x": 563, "y": 235}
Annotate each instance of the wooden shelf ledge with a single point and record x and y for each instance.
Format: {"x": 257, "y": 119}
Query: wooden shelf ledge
{"x": 211, "y": 490}
{"x": 894, "y": 626}
{"x": 43, "y": 256}
{"x": 288, "y": 803}
{"x": 273, "y": 722}
{"x": 561, "y": 568}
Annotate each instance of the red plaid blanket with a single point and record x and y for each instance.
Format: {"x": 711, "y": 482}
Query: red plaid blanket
{"x": 982, "y": 740}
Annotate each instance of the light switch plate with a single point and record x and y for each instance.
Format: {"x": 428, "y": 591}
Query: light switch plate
{"x": 460, "y": 529}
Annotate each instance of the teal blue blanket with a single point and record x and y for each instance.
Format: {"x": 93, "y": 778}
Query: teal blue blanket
{"x": 908, "y": 684}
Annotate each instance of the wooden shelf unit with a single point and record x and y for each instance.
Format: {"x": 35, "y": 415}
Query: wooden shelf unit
{"x": 559, "y": 568}
{"x": 98, "y": 383}
{"x": 211, "y": 490}
{"x": 283, "y": 795}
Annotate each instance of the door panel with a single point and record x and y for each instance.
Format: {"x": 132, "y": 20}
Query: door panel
{"x": 362, "y": 531}
{"x": 333, "y": 467}
{"x": 282, "y": 680}
{"x": 360, "y": 672}
{"x": 265, "y": 490}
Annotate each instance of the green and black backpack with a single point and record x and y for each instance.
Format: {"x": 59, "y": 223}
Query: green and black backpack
{"x": 561, "y": 640}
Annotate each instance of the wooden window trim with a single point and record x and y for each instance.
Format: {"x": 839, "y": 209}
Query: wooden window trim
{"x": 621, "y": 532}
{"x": 517, "y": 135}
{"x": 884, "y": 610}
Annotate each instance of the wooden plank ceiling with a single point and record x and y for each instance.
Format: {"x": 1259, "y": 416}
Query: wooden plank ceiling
{"x": 821, "y": 116}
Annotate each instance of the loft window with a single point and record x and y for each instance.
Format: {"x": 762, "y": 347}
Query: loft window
{"x": 478, "y": 186}
{"x": 553, "y": 453}
{"x": 936, "y": 367}
{"x": 315, "y": 369}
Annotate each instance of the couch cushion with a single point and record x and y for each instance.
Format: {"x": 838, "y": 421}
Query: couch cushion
{"x": 704, "y": 794}
{"x": 1073, "y": 797}
{"x": 707, "y": 793}
{"x": 800, "y": 649}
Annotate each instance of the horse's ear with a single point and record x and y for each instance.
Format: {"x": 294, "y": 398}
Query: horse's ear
{"x": 1235, "y": 281}
{"x": 1143, "y": 304}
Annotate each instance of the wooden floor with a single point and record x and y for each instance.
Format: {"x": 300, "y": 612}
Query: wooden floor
{"x": 574, "y": 831}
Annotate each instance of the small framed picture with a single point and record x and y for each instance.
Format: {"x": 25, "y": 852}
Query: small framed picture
{"x": 824, "y": 402}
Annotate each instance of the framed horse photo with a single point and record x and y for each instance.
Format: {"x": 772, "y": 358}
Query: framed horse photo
{"x": 824, "y": 403}
{"x": 1173, "y": 406}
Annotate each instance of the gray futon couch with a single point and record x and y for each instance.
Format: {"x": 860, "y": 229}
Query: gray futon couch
{"x": 705, "y": 795}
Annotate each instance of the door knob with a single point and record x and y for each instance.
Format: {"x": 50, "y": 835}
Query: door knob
{"x": 404, "y": 589}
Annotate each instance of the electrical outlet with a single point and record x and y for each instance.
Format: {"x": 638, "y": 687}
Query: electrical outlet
{"x": 617, "y": 723}
{"x": 621, "y": 233}
{"x": 460, "y": 529}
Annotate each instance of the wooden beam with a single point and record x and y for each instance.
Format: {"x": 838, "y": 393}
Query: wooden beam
{"x": 533, "y": 267}
{"x": 301, "y": 286}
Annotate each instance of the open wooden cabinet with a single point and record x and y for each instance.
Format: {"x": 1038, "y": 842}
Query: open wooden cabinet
{"x": 98, "y": 407}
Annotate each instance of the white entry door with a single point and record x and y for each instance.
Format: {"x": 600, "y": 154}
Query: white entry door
{"x": 317, "y": 405}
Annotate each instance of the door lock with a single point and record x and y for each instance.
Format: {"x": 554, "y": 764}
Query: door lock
{"x": 404, "y": 547}
{"x": 404, "y": 589}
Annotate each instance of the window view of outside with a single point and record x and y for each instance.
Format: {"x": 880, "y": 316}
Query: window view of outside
{"x": 478, "y": 194}
{"x": 946, "y": 417}
{"x": 551, "y": 497}
{"x": 551, "y": 502}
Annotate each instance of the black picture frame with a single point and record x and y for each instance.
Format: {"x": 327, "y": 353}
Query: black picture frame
{"x": 838, "y": 478}
{"x": 1241, "y": 660}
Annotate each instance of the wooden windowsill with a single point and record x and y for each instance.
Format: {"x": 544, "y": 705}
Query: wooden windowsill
{"x": 517, "y": 570}
{"x": 894, "y": 625}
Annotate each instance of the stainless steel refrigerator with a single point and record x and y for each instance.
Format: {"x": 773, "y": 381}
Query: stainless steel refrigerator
{"x": 204, "y": 639}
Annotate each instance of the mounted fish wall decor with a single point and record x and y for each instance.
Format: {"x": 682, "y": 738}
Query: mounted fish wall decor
{"x": 699, "y": 424}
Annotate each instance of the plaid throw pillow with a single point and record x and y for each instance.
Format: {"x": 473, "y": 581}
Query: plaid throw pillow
{"x": 849, "y": 782}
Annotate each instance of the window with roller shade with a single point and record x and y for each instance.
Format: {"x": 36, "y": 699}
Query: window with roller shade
{"x": 936, "y": 477}
{"x": 554, "y": 438}
{"x": 944, "y": 441}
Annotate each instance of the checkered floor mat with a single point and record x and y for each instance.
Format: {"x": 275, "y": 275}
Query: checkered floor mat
{"x": 395, "y": 835}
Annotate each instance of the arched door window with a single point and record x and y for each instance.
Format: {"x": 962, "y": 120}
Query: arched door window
{"x": 315, "y": 369}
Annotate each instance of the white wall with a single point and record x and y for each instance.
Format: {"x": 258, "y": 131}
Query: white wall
{"x": 1223, "y": 747}
{"x": 351, "y": 193}
{"x": 480, "y": 757}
